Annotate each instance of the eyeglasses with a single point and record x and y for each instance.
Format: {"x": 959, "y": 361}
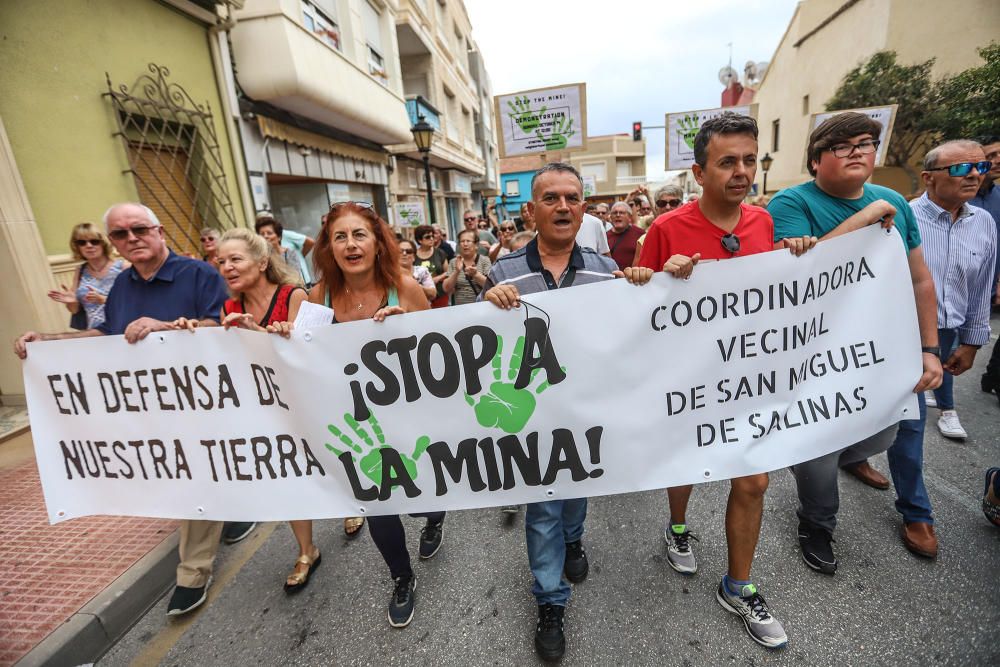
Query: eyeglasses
{"x": 508, "y": 229}
{"x": 206, "y": 239}
{"x": 468, "y": 219}
{"x": 406, "y": 251}
{"x": 965, "y": 168}
{"x": 138, "y": 230}
{"x": 362, "y": 204}
{"x": 672, "y": 203}
{"x": 82, "y": 242}
{"x": 731, "y": 242}
{"x": 427, "y": 236}
{"x": 866, "y": 147}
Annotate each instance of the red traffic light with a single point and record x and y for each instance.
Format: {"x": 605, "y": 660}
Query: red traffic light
{"x": 637, "y": 131}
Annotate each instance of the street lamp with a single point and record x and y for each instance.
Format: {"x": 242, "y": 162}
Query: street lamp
{"x": 765, "y": 164}
{"x": 423, "y": 136}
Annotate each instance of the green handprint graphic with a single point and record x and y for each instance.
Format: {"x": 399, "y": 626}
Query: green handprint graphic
{"x": 521, "y": 113}
{"x": 504, "y": 406}
{"x": 688, "y": 129}
{"x": 371, "y": 462}
{"x": 409, "y": 217}
{"x": 561, "y": 132}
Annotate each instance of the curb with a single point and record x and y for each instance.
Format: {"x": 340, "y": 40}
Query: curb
{"x": 95, "y": 627}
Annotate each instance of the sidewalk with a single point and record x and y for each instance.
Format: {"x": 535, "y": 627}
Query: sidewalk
{"x": 52, "y": 576}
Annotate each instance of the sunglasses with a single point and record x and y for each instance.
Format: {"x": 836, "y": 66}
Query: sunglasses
{"x": 82, "y": 242}
{"x": 731, "y": 242}
{"x": 406, "y": 251}
{"x": 469, "y": 219}
{"x": 427, "y": 236}
{"x": 672, "y": 203}
{"x": 205, "y": 239}
{"x": 965, "y": 168}
{"x": 362, "y": 204}
{"x": 508, "y": 229}
{"x": 138, "y": 230}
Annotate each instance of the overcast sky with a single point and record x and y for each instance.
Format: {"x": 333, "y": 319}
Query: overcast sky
{"x": 639, "y": 58}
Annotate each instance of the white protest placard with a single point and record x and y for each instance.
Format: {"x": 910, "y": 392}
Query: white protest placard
{"x": 409, "y": 214}
{"x": 683, "y": 126}
{"x": 589, "y": 186}
{"x": 754, "y": 364}
{"x": 884, "y": 116}
{"x": 542, "y": 119}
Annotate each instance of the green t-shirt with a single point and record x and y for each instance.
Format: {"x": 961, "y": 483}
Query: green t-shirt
{"x": 805, "y": 210}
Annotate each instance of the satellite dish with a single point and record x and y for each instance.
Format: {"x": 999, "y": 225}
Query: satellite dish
{"x": 750, "y": 71}
{"x": 728, "y": 75}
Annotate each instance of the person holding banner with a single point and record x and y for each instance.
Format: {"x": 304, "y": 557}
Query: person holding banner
{"x": 358, "y": 258}
{"x": 716, "y": 227}
{"x": 841, "y": 157}
{"x": 553, "y": 260}
{"x": 162, "y": 291}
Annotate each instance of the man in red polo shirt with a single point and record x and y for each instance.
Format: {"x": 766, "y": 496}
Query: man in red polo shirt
{"x": 623, "y": 235}
{"x": 719, "y": 226}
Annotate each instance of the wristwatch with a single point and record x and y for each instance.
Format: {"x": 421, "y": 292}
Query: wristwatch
{"x": 935, "y": 350}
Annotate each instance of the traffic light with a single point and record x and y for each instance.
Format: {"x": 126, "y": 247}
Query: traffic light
{"x": 637, "y": 131}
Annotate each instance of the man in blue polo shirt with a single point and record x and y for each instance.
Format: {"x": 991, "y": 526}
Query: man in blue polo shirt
{"x": 162, "y": 291}
{"x": 841, "y": 157}
{"x": 553, "y": 259}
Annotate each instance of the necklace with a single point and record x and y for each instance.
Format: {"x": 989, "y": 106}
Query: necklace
{"x": 361, "y": 301}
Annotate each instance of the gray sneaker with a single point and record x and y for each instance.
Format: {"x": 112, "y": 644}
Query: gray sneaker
{"x": 752, "y": 608}
{"x": 679, "y": 553}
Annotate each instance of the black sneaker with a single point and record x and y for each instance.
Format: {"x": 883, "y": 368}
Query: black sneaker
{"x": 187, "y": 599}
{"x": 404, "y": 596}
{"x": 430, "y": 539}
{"x": 234, "y": 531}
{"x": 576, "y": 566}
{"x": 817, "y": 551}
{"x": 550, "y": 642}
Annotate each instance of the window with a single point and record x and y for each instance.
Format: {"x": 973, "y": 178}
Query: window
{"x": 596, "y": 169}
{"x": 450, "y": 113}
{"x": 624, "y": 169}
{"x": 775, "y": 132}
{"x": 512, "y": 188}
{"x": 373, "y": 36}
{"x": 320, "y": 23}
{"x": 413, "y": 177}
{"x": 805, "y": 105}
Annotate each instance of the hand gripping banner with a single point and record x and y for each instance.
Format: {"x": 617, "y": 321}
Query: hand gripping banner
{"x": 753, "y": 364}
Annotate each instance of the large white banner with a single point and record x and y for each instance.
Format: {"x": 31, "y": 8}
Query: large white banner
{"x": 682, "y": 128}
{"x": 753, "y": 364}
{"x": 543, "y": 119}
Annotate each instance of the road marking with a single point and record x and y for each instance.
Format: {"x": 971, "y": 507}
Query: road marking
{"x": 157, "y": 648}
{"x": 939, "y": 484}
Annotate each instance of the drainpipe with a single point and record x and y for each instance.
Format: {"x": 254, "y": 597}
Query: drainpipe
{"x": 219, "y": 47}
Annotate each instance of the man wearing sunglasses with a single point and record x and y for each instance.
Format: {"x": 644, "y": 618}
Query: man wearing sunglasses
{"x": 486, "y": 238}
{"x": 161, "y": 291}
{"x": 667, "y": 198}
{"x": 960, "y": 244}
{"x": 720, "y": 226}
{"x": 841, "y": 157}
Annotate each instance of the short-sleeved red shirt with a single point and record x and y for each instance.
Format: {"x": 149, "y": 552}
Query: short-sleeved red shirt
{"x": 276, "y": 312}
{"x": 686, "y": 231}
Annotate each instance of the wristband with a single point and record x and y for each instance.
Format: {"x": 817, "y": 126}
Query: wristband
{"x": 935, "y": 350}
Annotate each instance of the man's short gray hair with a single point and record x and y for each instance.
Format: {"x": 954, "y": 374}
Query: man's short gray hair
{"x": 931, "y": 159}
{"x": 622, "y": 204}
{"x": 149, "y": 212}
{"x": 561, "y": 167}
{"x": 669, "y": 190}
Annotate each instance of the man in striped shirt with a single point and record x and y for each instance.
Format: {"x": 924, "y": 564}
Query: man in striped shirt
{"x": 960, "y": 247}
{"x": 553, "y": 260}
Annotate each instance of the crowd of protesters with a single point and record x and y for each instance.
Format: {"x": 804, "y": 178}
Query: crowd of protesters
{"x": 129, "y": 283}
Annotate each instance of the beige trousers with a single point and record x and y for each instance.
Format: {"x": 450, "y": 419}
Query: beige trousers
{"x": 199, "y": 543}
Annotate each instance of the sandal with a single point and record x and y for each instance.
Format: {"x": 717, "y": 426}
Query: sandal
{"x": 353, "y": 526}
{"x": 298, "y": 579}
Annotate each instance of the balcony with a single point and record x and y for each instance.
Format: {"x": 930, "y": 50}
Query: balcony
{"x": 299, "y": 72}
{"x": 630, "y": 181}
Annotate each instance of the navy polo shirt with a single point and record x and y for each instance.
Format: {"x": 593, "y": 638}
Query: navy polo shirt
{"x": 182, "y": 287}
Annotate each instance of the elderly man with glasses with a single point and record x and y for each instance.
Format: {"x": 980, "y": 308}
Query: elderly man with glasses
{"x": 841, "y": 157}
{"x": 486, "y": 239}
{"x": 667, "y": 198}
{"x": 161, "y": 291}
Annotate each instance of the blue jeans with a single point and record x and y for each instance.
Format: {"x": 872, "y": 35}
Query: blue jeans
{"x": 906, "y": 465}
{"x": 548, "y": 526}
{"x": 948, "y": 342}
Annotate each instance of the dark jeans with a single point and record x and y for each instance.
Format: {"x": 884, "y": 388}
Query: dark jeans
{"x": 948, "y": 341}
{"x": 390, "y": 538}
{"x": 906, "y": 464}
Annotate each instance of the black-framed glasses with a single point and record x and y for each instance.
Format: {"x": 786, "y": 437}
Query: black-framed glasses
{"x": 965, "y": 168}
{"x": 406, "y": 251}
{"x": 469, "y": 219}
{"x": 866, "y": 147}
{"x": 205, "y": 239}
{"x": 82, "y": 242}
{"x": 731, "y": 243}
{"x": 508, "y": 229}
{"x": 672, "y": 203}
{"x": 428, "y": 235}
{"x": 138, "y": 230}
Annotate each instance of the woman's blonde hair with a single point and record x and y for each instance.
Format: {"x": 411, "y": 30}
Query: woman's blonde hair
{"x": 277, "y": 272}
{"x": 88, "y": 230}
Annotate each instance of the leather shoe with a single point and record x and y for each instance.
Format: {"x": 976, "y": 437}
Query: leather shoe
{"x": 867, "y": 475}
{"x": 920, "y": 539}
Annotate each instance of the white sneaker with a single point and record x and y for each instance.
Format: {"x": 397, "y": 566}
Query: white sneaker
{"x": 929, "y": 399}
{"x": 950, "y": 427}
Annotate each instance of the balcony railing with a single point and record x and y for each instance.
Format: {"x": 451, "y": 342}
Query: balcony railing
{"x": 418, "y": 106}
{"x": 631, "y": 180}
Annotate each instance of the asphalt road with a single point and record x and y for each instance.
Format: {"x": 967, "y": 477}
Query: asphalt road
{"x": 474, "y": 606}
